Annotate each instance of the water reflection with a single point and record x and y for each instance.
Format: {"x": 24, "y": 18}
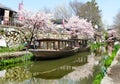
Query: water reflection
{"x": 17, "y": 74}
{"x": 58, "y": 81}
{"x": 69, "y": 70}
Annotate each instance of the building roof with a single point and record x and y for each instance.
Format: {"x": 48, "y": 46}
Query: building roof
{"x": 5, "y": 7}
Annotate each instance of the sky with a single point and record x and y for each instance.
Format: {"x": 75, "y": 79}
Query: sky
{"x": 109, "y": 7}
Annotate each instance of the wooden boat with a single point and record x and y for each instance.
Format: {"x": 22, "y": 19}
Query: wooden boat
{"x": 55, "y": 48}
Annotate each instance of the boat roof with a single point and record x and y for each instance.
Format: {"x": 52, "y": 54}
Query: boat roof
{"x": 51, "y": 39}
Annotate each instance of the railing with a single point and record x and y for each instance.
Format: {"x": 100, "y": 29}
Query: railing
{"x": 10, "y": 21}
{"x": 82, "y": 43}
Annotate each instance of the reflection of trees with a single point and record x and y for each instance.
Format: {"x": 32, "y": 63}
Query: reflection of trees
{"x": 17, "y": 74}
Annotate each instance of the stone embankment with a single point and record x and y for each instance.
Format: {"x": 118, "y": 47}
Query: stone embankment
{"x": 113, "y": 72}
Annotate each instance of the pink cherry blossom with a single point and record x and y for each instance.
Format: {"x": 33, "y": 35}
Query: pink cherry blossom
{"x": 83, "y": 28}
{"x": 36, "y": 23}
{"x": 112, "y": 33}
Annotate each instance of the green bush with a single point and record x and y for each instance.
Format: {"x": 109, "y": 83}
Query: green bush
{"x": 15, "y": 60}
{"x": 116, "y": 47}
{"x": 98, "y": 78}
{"x": 94, "y": 46}
{"x": 10, "y": 49}
{"x": 108, "y": 62}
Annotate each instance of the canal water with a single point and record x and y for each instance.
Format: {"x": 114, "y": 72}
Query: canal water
{"x": 77, "y": 69}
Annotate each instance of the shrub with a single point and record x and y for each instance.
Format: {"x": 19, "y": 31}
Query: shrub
{"x": 10, "y": 49}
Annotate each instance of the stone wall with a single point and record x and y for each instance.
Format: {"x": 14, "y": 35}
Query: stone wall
{"x": 12, "y": 38}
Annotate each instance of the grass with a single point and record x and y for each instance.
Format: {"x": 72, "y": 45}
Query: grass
{"x": 13, "y": 65}
{"x": 7, "y": 63}
{"x": 107, "y": 62}
{"x": 11, "y": 49}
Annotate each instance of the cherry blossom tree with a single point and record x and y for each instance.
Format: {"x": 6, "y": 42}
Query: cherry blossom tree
{"x": 35, "y": 23}
{"x": 112, "y": 33}
{"x": 80, "y": 27}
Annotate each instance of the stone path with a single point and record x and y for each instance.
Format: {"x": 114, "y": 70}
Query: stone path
{"x": 113, "y": 72}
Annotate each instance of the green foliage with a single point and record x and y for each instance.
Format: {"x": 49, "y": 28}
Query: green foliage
{"x": 105, "y": 35}
{"x": 94, "y": 46}
{"x": 14, "y": 64}
{"x": 91, "y": 12}
{"x": 12, "y": 61}
{"x": 116, "y": 47}
{"x": 2, "y": 32}
{"x": 107, "y": 63}
{"x": 11, "y": 49}
{"x": 98, "y": 78}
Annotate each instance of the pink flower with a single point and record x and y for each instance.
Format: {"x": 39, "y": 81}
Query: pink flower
{"x": 83, "y": 27}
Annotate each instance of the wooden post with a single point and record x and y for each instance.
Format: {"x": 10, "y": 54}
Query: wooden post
{"x": 59, "y": 45}
{"x": 53, "y": 45}
{"x": 65, "y": 44}
{"x": 47, "y": 44}
{"x": 62, "y": 45}
{"x": 81, "y": 43}
{"x": 71, "y": 44}
{"x": 39, "y": 45}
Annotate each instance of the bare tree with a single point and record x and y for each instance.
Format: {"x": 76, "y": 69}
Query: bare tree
{"x": 116, "y": 23}
{"x": 61, "y": 12}
{"x": 75, "y": 5}
{"x": 46, "y": 10}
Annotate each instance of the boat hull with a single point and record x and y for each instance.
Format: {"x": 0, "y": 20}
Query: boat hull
{"x": 50, "y": 54}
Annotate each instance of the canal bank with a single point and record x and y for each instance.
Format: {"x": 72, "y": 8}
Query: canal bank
{"x": 113, "y": 72}
{"x": 7, "y": 55}
{"x": 12, "y": 59}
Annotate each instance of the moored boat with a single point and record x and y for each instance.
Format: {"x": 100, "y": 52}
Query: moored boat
{"x": 56, "y": 48}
